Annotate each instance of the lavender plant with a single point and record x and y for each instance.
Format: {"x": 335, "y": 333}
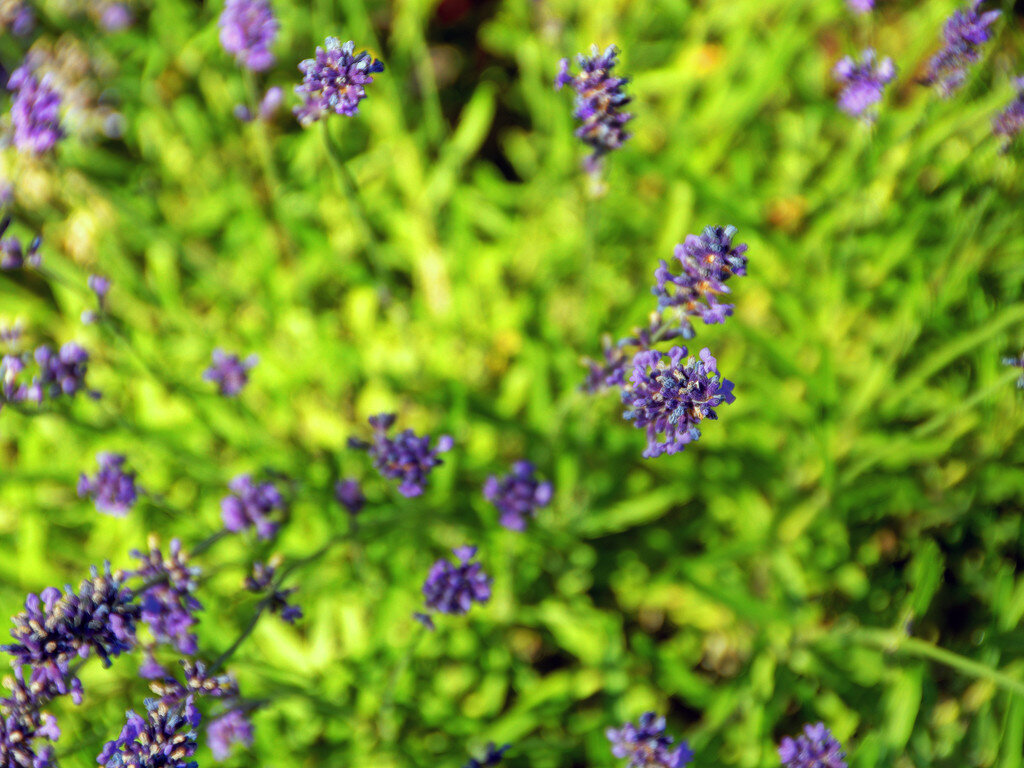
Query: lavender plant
{"x": 518, "y": 495}
{"x": 249, "y": 506}
{"x": 334, "y": 80}
{"x": 1009, "y": 123}
{"x": 229, "y": 372}
{"x": 864, "y": 81}
{"x": 964, "y": 33}
{"x": 405, "y": 457}
{"x": 647, "y": 746}
{"x": 112, "y": 488}
{"x": 452, "y": 588}
{"x": 35, "y": 111}
{"x": 12, "y": 255}
{"x": 248, "y": 29}
{"x": 815, "y": 748}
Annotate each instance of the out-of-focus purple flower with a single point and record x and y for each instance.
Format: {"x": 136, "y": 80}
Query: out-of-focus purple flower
{"x": 247, "y": 31}
{"x": 100, "y": 286}
{"x": 12, "y": 255}
{"x": 62, "y": 373}
{"x": 115, "y": 17}
{"x": 816, "y": 748}
{"x": 334, "y": 81}
{"x": 229, "y": 372}
{"x": 271, "y": 102}
{"x": 708, "y": 261}
{"x": 406, "y": 457}
{"x": 599, "y": 99}
{"x": 16, "y": 16}
{"x": 261, "y": 579}
{"x": 518, "y": 495}
{"x": 35, "y": 111}
{"x": 55, "y": 629}
{"x": 647, "y": 746}
{"x": 168, "y": 595}
{"x": 492, "y": 757}
{"x": 863, "y": 83}
{"x": 1010, "y": 122}
{"x": 861, "y": 6}
{"x": 1016, "y": 362}
{"x": 249, "y": 504}
{"x": 963, "y": 33}
{"x": 349, "y": 494}
{"x": 112, "y": 488}
{"x": 228, "y": 729}
{"x": 672, "y": 396}
{"x": 452, "y": 588}
{"x": 166, "y": 738}
{"x": 618, "y": 357}
{"x": 11, "y": 334}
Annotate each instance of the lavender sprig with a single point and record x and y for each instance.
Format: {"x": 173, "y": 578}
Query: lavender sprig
{"x": 815, "y": 748}
{"x": 647, "y": 746}
{"x": 864, "y": 81}
{"x": 405, "y": 457}
{"x": 248, "y": 29}
{"x": 1010, "y": 122}
{"x": 453, "y": 588}
{"x": 518, "y": 495}
{"x": 334, "y": 81}
{"x": 35, "y": 111}
{"x": 112, "y": 488}
{"x": 964, "y": 32}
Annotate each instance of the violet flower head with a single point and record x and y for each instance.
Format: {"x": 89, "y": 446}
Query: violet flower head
{"x": 20, "y": 734}
{"x": 1010, "y": 122}
{"x": 12, "y": 254}
{"x": 63, "y": 372}
{"x": 815, "y": 748}
{"x": 618, "y": 357}
{"x": 115, "y": 17}
{"x": 493, "y": 756}
{"x": 35, "y": 111}
{"x": 518, "y": 495}
{"x": 671, "y": 395}
{"x": 112, "y": 488}
{"x": 166, "y": 738}
{"x": 227, "y": 730}
{"x": 199, "y": 681}
{"x": 56, "y": 629}
{"x": 453, "y": 588}
{"x": 964, "y": 32}
{"x": 647, "y": 746}
{"x": 599, "y": 100}
{"x": 16, "y": 17}
{"x": 707, "y": 262}
{"x": 261, "y": 580}
{"x": 349, "y": 494}
{"x": 249, "y": 505}
{"x": 1016, "y": 362}
{"x": 334, "y": 81}
{"x": 229, "y": 372}
{"x": 406, "y": 457}
{"x": 168, "y": 598}
{"x": 864, "y": 82}
{"x": 247, "y": 31}
{"x": 861, "y": 6}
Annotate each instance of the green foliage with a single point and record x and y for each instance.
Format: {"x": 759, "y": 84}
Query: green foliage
{"x": 865, "y": 483}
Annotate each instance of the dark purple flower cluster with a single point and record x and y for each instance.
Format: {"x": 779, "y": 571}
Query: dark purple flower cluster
{"x": 12, "y": 255}
{"x": 334, "y": 81}
{"x": 1016, "y": 362}
{"x": 55, "y": 629}
{"x": 229, "y": 372}
{"x": 864, "y": 82}
{"x": 492, "y": 757}
{"x": 261, "y": 579}
{"x": 112, "y": 488}
{"x": 349, "y": 494}
{"x": 599, "y": 101}
{"x": 405, "y": 457}
{"x": 963, "y": 33}
{"x": 199, "y": 681}
{"x": 165, "y": 738}
{"x": 1010, "y": 122}
{"x": 22, "y": 725}
{"x": 708, "y": 260}
{"x": 60, "y": 374}
{"x": 672, "y": 397}
{"x": 230, "y": 728}
{"x": 249, "y": 504}
{"x": 647, "y": 746}
{"x": 816, "y": 748}
{"x": 167, "y": 595}
{"x": 452, "y": 588}
{"x": 247, "y": 31}
{"x": 618, "y": 357}
{"x": 35, "y": 111}
{"x": 518, "y": 495}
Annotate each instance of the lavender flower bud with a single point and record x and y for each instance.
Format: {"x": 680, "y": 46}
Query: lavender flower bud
{"x": 261, "y": 579}
{"x": 518, "y": 495}
{"x": 249, "y": 504}
{"x": 334, "y": 81}
{"x": 168, "y": 595}
{"x": 406, "y": 457}
{"x": 963, "y": 33}
{"x": 229, "y": 373}
{"x": 35, "y": 111}
{"x": 618, "y": 357}
{"x": 452, "y": 588}
{"x": 166, "y": 738}
{"x": 115, "y": 17}
{"x": 816, "y": 748}
{"x": 350, "y": 495}
{"x": 1010, "y": 122}
{"x": 646, "y": 746}
{"x": 863, "y": 82}
{"x": 247, "y": 31}
{"x": 226, "y": 730}
{"x": 112, "y": 489}
{"x": 12, "y": 255}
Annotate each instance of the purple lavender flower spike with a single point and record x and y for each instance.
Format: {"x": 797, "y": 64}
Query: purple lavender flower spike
{"x": 271, "y": 102}
{"x": 599, "y": 99}
{"x": 334, "y": 81}
{"x": 707, "y": 262}
{"x": 452, "y": 588}
{"x": 168, "y": 599}
{"x": 35, "y": 111}
{"x": 350, "y": 495}
{"x": 493, "y": 756}
{"x": 112, "y": 488}
{"x": 20, "y": 734}
{"x": 62, "y": 373}
{"x": 1010, "y": 122}
{"x": 618, "y": 357}
{"x": 406, "y": 457}
{"x": 518, "y": 495}
{"x": 672, "y": 397}
{"x": 863, "y": 83}
{"x": 963, "y": 33}
{"x": 229, "y": 372}
{"x": 55, "y": 629}
{"x": 166, "y": 737}
{"x": 261, "y": 579}
{"x": 227, "y": 730}
{"x": 12, "y": 255}
{"x": 249, "y": 504}
{"x": 816, "y": 748}
{"x": 199, "y": 681}
{"x": 861, "y": 6}
{"x": 247, "y": 31}
{"x": 646, "y": 745}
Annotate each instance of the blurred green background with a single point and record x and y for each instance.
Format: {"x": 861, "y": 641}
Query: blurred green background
{"x": 867, "y": 481}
